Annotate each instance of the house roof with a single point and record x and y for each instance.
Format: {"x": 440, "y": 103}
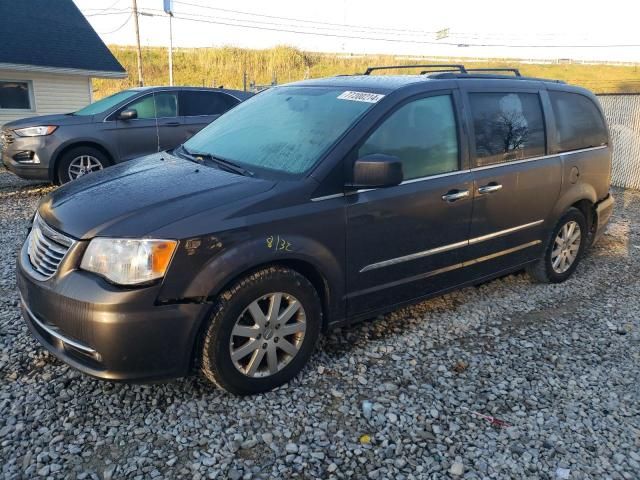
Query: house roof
{"x": 54, "y": 36}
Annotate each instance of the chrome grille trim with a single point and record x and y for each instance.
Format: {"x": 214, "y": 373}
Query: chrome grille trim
{"x": 46, "y": 249}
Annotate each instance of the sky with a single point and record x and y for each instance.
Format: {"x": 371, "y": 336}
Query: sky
{"x": 546, "y": 29}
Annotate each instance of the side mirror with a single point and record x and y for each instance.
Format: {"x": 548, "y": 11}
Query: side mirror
{"x": 377, "y": 171}
{"x": 128, "y": 114}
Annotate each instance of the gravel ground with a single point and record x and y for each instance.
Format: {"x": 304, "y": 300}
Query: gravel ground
{"x": 391, "y": 398}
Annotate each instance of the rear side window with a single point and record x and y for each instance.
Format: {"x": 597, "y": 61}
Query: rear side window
{"x": 196, "y": 103}
{"x": 579, "y": 123}
{"x": 422, "y": 134}
{"x": 507, "y": 127}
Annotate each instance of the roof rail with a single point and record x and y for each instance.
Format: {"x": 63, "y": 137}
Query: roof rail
{"x": 440, "y": 70}
{"x": 515, "y": 71}
{"x": 488, "y": 76}
{"x": 459, "y": 68}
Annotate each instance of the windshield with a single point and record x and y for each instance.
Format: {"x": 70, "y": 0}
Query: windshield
{"x": 284, "y": 130}
{"x": 106, "y": 103}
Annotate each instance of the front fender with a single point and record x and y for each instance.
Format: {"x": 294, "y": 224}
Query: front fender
{"x": 229, "y": 265}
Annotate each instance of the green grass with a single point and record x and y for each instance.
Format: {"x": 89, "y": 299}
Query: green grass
{"x": 225, "y": 66}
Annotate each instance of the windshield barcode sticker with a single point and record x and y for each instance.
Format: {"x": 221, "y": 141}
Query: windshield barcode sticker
{"x": 361, "y": 96}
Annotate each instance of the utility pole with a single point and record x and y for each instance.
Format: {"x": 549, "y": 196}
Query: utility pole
{"x": 135, "y": 22}
{"x": 170, "y": 50}
{"x": 168, "y": 9}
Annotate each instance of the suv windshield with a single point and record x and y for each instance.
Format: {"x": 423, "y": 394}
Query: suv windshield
{"x": 106, "y": 103}
{"x": 284, "y": 130}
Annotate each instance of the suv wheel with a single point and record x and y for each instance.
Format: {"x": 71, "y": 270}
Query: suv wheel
{"x": 262, "y": 331}
{"x": 80, "y": 161}
{"x": 564, "y": 249}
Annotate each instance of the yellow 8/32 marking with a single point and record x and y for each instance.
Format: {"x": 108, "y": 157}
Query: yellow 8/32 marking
{"x": 278, "y": 244}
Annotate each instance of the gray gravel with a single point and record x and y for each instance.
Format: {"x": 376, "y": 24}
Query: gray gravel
{"x": 390, "y": 398}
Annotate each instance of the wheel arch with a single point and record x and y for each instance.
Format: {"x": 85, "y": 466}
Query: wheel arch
{"x": 57, "y": 155}
{"x": 305, "y": 268}
{"x": 309, "y": 258}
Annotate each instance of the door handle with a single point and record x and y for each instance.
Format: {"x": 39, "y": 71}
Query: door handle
{"x": 492, "y": 187}
{"x": 172, "y": 124}
{"x": 453, "y": 195}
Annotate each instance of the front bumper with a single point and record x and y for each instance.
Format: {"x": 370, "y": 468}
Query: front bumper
{"x": 105, "y": 331}
{"x": 41, "y": 148}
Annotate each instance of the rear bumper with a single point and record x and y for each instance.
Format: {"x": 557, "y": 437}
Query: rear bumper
{"x": 108, "y": 332}
{"x": 604, "y": 210}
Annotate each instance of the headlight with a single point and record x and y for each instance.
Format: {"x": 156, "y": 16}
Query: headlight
{"x": 36, "y": 131}
{"x": 128, "y": 262}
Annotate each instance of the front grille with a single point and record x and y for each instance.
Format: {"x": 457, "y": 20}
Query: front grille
{"x": 46, "y": 248}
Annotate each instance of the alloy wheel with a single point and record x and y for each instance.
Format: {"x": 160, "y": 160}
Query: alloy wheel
{"x": 566, "y": 247}
{"x": 267, "y": 335}
{"x": 83, "y": 165}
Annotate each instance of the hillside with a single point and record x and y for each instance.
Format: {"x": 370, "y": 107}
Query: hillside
{"x": 225, "y": 66}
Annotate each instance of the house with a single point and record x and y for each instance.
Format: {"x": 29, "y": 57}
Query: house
{"x": 49, "y": 54}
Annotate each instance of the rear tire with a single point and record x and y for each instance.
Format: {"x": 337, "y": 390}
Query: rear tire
{"x": 262, "y": 331}
{"x": 564, "y": 249}
{"x": 80, "y": 161}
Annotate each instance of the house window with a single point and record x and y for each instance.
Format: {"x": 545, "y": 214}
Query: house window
{"x": 15, "y": 95}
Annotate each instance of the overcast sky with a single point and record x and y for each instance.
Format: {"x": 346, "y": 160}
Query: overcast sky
{"x": 400, "y": 27}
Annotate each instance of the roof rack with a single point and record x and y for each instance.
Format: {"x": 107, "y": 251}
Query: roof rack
{"x": 515, "y": 71}
{"x": 448, "y": 68}
{"x": 439, "y": 70}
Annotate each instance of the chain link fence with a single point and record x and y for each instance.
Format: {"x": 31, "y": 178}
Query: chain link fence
{"x": 623, "y": 116}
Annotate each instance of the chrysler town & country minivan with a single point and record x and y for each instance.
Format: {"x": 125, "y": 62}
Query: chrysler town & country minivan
{"x": 309, "y": 206}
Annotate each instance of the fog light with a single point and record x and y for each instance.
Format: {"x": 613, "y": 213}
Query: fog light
{"x": 26, "y": 157}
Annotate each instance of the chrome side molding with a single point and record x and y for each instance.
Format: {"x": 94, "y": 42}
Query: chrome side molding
{"x": 446, "y": 269}
{"x": 451, "y": 246}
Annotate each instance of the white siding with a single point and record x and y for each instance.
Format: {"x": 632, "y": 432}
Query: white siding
{"x": 53, "y": 93}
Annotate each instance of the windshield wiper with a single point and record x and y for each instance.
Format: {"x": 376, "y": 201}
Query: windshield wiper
{"x": 227, "y": 164}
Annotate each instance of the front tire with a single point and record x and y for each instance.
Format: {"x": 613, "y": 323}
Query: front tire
{"x": 564, "y": 250}
{"x": 262, "y": 331}
{"x": 80, "y": 161}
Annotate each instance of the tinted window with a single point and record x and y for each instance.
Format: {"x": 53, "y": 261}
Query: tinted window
{"x": 507, "y": 126}
{"x": 578, "y": 122}
{"x": 283, "y": 130}
{"x": 165, "y": 105}
{"x": 14, "y": 95}
{"x": 422, "y": 134}
{"x": 196, "y": 103}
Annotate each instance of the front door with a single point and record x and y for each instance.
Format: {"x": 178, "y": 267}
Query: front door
{"x": 157, "y": 127}
{"x": 404, "y": 242}
{"x": 515, "y": 183}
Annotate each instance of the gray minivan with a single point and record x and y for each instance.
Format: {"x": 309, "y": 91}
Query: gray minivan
{"x": 125, "y": 125}
{"x": 308, "y": 207}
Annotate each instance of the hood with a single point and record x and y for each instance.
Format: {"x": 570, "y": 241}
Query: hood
{"x": 59, "y": 119}
{"x": 135, "y": 198}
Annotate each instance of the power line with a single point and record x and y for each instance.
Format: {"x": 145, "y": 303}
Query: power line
{"x": 118, "y": 12}
{"x": 119, "y": 28}
{"x": 263, "y": 22}
{"x": 384, "y": 39}
{"x": 300, "y": 20}
{"x": 104, "y": 9}
{"x": 403, "y": 31}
